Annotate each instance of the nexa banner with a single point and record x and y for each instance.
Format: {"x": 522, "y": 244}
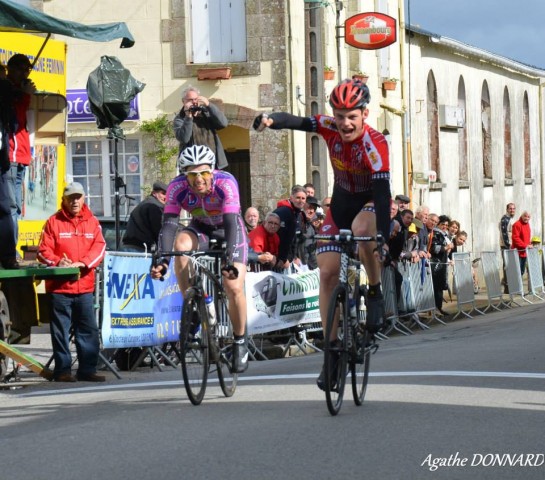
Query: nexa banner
{"x": 79, "y": 110}
{"x": 370, "y": 31}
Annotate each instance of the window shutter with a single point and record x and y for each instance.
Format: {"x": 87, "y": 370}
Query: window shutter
{"x": 218, "y": 31}
{"x": 200, "y": 31}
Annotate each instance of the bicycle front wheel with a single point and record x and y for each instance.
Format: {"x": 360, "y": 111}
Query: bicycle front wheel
{"x": 224, "y": 332}
{"x": 335, "y": 354}
{"x": 359, "y": 364}
{"x": 194, "y": 346}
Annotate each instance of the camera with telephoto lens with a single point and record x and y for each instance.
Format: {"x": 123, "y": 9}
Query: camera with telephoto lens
{"x": 196, "y": 108}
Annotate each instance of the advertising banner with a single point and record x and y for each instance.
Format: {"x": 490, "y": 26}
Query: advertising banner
{"x": 370, "y": 31}
{"x": 137, "y": 310}
{"x": 277, "y": 301}
{"x": 43, "y": 182}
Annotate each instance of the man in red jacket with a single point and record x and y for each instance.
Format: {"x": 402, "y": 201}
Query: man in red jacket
{"x": 72, "y": 237}
{"x": 264, "y": 239}
{"x": 520, "y": 238}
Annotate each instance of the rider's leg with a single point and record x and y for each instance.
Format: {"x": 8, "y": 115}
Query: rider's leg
{"x": 365, "y": 224}
{"x": 237, "y": 299}
{"x": 329, "y": 265}
{"x": 184, "y": 242}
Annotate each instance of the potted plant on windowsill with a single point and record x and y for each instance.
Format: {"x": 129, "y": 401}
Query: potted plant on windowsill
{"x": 214, "y": 73}
{"x": 329, "y": 73}
{"x": 389, "y": 84}
{"x": 361, "y": 76}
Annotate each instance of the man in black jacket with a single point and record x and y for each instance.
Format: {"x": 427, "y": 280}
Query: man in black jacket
{"x": 292, "y": 225}
{"x": 7, "y": 234}
{"x": 145, "y": 221}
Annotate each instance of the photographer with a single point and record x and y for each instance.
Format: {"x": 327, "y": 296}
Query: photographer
{"x": 197, "y": 122}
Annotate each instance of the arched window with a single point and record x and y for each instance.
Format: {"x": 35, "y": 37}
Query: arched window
{"x": 507, "y": 150}
{"x": 486, "y": 132}
{"x": 433, "y": 126}
{"x": 313, "y": 50}
{"x": 462, "y": 134}
{"x": 526, "y": 136}
{"x": 315, "y": 151}
{"x": 313, "y": 81}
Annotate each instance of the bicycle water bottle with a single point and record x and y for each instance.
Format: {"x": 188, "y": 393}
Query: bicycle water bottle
{"x": 353, "y": 311}
{"x": 211, "y": 309}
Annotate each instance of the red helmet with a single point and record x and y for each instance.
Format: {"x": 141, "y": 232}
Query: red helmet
{"x": 350, "y": 94}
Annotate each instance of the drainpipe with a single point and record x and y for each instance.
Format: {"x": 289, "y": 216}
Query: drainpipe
{"x": 406, "y": 105}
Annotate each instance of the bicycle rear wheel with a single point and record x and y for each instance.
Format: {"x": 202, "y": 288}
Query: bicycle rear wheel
{"x": 335, "y": 355}
{"x": 224, "y": 332}
{"x": 360, "y": 349}
{"x": 194, "y": 346}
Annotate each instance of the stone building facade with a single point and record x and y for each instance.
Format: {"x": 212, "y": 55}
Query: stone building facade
{"x": 286, "y": 46}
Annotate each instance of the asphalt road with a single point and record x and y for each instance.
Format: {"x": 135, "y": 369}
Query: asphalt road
{"x": 459, "y": 397}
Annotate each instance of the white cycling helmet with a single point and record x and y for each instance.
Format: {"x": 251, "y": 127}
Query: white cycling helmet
{"x": 196, "y": 155}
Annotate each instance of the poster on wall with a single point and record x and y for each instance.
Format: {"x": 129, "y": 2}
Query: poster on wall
{"x": 40, "y": 189}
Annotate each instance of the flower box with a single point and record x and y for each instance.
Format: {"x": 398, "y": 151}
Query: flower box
{"x": 219, "y": 73}
{"x": 360, "y": 77}
{"x": 329, "y": 74}
{"x": 389, "y": 85}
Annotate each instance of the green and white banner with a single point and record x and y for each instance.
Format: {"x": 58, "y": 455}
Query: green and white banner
{"x": 276, "y": 301}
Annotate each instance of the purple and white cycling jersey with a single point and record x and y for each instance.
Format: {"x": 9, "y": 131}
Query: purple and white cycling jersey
{"x": 208, "y": 210}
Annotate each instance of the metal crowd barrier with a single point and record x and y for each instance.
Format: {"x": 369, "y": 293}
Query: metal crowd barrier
{"x": 389, "y": 292}
{"x": 513, "y": 275}
{"x": 491, "y": 271}
{"x": 535, "y": 272}
{"x": 463, "y": 279}
{"x": 416, "y": 296}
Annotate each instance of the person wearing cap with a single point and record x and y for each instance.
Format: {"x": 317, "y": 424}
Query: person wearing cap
{"x": 8, "y": 239}
{"x": 197, "y": 123}
{"x": 20, "y": 155}
{"x": 402, "y": 202}
{"x": 145, "y": 221}
{"x": 308, "y": 250}
{"x": 72, "y": 237}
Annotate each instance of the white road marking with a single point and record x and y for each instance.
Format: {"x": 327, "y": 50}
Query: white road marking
{"x": 305, "y": 376}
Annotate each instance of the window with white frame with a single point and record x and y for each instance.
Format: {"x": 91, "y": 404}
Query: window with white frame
{"x": 91, "y": 162}
{"x": 218, "y": 31}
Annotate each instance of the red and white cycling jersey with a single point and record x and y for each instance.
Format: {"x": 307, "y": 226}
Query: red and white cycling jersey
{"x": 354, "y": 163}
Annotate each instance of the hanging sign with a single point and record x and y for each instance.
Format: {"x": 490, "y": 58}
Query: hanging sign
{"x": 370, "y": 30}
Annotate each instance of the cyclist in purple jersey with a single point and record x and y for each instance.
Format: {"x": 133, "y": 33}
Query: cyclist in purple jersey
{"x": 212, "y": 198}
{"x": 361, "y": 191}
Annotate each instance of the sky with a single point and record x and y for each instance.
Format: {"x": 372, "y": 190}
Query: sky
{"x": 513, "y": 29}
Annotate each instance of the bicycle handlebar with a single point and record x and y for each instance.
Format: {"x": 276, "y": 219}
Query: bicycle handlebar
{"x": 348, "y": 236}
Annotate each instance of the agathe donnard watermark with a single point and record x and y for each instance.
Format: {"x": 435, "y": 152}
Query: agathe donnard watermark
{"x": 485, "y": 460}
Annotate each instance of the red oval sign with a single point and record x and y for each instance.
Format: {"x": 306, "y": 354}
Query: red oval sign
{"x": 370, "y": 31}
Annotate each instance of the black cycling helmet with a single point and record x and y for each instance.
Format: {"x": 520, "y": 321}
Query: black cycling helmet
{"x": 350, "y": 94}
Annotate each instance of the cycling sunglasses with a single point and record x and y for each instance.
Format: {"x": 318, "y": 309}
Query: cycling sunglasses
{"x": 205, "y": 174}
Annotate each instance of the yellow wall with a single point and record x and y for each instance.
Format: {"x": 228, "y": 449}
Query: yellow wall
{"x": 49, "y": 74}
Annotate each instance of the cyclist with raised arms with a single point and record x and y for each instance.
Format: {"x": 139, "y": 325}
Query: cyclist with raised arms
{"x": 212, "y": 198}
{"x": 361, "y": 190}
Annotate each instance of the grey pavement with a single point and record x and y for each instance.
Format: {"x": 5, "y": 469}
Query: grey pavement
{"x": 40, "y": 342}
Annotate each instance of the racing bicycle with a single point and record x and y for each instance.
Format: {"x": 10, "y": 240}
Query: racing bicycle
{"x": 354, "y": 345}
{"x": 206, "y": 338}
